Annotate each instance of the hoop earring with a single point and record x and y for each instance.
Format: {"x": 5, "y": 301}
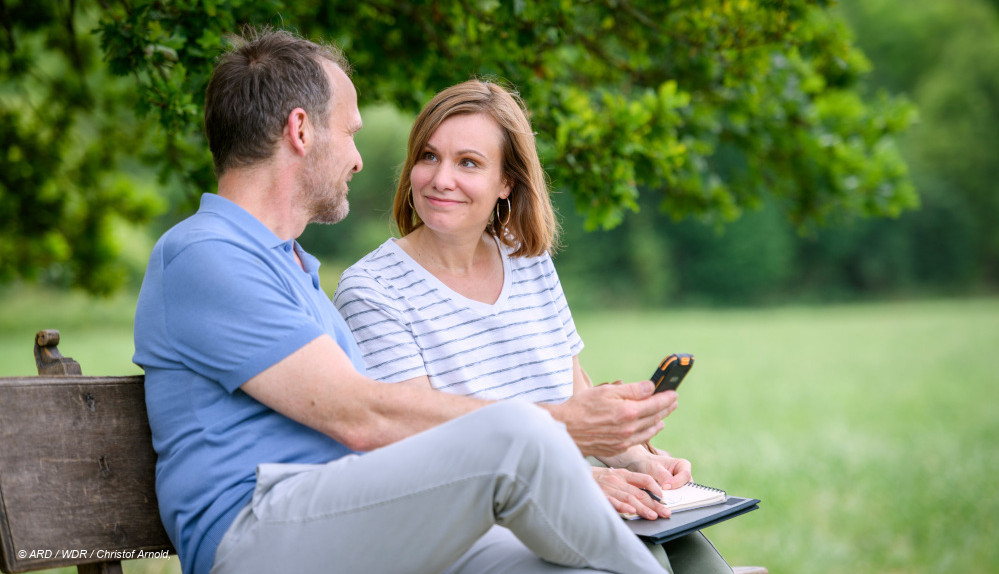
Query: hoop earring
{"x": 509, "y": 213}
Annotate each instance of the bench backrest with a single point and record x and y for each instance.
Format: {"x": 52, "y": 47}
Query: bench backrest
{"x": 77, "y": 466}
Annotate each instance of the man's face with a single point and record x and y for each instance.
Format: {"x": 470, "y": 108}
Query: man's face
{"x": 333, "y": 159}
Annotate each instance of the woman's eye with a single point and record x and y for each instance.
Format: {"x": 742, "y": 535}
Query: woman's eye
{"x": 428, "y": 156}
{"x": 467, "y": 163}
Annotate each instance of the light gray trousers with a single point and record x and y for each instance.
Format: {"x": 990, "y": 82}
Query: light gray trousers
{"x": 429, "y": 504}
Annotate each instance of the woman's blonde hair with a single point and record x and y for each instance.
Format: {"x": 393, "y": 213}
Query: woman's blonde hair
{"x": 529, "y": 223}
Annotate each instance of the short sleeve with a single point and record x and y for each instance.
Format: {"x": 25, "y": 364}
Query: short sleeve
{"x": 237, "y": 318}
{"x": 378, "y": 319}
{"x": 562, "y": 307}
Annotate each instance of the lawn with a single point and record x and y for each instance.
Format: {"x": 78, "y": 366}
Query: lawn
{"x": 869, "y": 431}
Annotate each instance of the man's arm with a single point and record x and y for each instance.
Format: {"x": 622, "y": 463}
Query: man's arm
{"x": 319, "y": 387}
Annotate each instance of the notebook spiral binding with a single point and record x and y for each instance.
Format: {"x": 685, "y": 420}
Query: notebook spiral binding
{"x": 708, "y": 488}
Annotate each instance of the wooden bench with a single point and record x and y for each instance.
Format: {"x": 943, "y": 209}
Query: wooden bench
{"x": 76, "y": 469}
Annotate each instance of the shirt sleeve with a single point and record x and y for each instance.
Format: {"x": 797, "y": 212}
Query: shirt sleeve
{"x": 229, "y": 314}
{"x": 378, "y": 318}
{"x": 562, "y": 306}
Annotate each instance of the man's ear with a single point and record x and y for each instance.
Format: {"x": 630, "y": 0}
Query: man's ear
{"x": 298, "y": 130}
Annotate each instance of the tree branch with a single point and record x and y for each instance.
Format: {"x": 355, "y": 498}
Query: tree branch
{"x": 640, "y": 17}
{"x": 73, "y": 48}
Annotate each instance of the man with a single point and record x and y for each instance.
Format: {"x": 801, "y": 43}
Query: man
{"x": 275, "y": 452}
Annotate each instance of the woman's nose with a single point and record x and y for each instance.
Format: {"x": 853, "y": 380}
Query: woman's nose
{"x": 443, "y": 177}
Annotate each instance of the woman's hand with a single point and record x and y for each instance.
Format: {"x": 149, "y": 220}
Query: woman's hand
{"x": 624, "y": 489}
{"x": 667, "y": 471}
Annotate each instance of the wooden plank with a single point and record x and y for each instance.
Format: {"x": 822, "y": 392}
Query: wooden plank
{"x": 77, "y": 471}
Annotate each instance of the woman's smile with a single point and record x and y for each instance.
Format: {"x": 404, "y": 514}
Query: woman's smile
{"x": 437, "y": 201}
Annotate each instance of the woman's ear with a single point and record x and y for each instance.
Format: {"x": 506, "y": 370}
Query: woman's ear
{"x": 507, "y": 188}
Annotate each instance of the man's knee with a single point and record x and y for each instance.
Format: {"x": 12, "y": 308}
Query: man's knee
{"x": 521, "y": 429}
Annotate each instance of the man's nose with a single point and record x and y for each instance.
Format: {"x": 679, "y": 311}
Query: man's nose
{"x": 358, "y": 162}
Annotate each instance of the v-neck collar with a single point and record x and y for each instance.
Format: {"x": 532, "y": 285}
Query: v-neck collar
{"x": 431, "y": 279}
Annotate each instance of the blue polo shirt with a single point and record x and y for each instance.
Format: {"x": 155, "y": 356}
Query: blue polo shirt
{"x": 222, "y": 300}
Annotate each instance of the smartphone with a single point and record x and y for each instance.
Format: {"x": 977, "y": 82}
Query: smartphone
{"x": 672, "y": 371}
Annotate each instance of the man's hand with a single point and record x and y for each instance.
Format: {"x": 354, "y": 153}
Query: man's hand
{"x": 628, "y": 492}
{"x": 607, "y": 419}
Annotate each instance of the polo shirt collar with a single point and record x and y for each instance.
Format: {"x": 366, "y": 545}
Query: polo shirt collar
{"x": 214, "y": 203}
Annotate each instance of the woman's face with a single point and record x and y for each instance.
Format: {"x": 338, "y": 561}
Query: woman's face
{"x": 458, "y": 176}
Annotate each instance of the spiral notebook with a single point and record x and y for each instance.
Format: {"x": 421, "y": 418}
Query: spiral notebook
{"x": 688, "y": 497}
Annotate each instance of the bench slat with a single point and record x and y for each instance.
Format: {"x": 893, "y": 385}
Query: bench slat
{"x": 77, "y": 467}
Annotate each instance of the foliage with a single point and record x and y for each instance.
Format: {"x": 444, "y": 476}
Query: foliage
{"x": 942, "y": 55}
{"x": 945, "y": 56}
{"x": 649, "y": 261}
{"x": 64, "y": 122}
{"x": 624, "y": 96}
{"x": 708, "y": 107}
{"x": 760, "y": 258}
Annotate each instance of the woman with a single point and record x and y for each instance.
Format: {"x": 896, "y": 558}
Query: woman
{"x": 467, "y": 300}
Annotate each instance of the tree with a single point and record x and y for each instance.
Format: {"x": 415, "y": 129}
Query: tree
{"x": 948, "y": 63}
{"x": 711, "y": 105}
{"x": 63, "y": 122}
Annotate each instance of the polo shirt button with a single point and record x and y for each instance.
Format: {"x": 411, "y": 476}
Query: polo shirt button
{"x": 287, "y": 248}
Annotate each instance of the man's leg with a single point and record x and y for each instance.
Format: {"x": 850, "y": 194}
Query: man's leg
{"x": 420, "y": 504}
{"x": 498, "y": 551}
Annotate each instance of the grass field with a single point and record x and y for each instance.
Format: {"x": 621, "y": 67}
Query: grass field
{"x": 870, "y": 432}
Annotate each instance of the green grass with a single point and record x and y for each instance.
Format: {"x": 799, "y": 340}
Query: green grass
{"x": 869, "y": 431}
{"x": 95, "y": 332}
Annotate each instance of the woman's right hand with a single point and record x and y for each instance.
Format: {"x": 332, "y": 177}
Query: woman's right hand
{"x": 624, "y": 489}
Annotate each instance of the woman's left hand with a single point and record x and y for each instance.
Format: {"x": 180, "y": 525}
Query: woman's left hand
{"x": 668, "y": 471}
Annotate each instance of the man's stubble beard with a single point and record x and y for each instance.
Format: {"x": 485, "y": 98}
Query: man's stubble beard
{"x": 325, "y": 202}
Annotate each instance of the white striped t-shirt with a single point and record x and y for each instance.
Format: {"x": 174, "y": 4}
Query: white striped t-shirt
{"x": 408, "y": 323}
